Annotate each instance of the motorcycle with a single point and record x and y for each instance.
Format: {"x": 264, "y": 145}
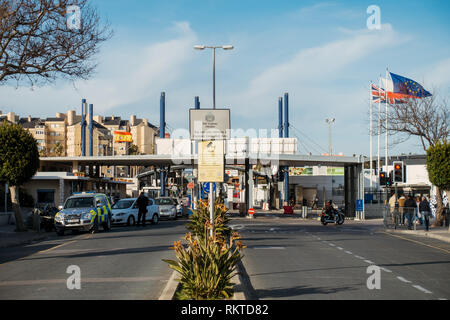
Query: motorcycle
{"x": 47, "y": 213}
{"x": 339, "y": 217}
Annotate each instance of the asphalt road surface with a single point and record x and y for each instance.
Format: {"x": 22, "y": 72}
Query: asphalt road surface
{"x": 122, "y": 264}
{"x": 294, "y": 259}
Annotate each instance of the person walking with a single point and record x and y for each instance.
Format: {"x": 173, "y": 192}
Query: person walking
{"x": 142, "y": 202}
{"x": 425, "y": 211}
{"x": 418, "y": 215}
{"x": 409, "y": 210}
{"x": 401, "y": 206}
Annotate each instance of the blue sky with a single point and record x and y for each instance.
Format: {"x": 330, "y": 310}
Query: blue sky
{"x": 320, "y": 52}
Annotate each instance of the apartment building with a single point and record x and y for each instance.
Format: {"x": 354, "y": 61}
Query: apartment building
{"x": 62, "y": 135}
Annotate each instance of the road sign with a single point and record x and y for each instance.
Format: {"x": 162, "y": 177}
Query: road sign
{"x": 211, "y": 161}
{"x": 359, "y": 205}
{"x": 191, "y": 185}
{"x": 206, "y": 188}
{"x": 251, "y": 211}
{"x": 209, "y": 124}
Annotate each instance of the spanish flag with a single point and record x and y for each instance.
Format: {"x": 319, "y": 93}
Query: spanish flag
{"x": 122, "y": 136}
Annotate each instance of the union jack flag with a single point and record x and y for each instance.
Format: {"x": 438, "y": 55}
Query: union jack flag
{"x": 379, "y": 96}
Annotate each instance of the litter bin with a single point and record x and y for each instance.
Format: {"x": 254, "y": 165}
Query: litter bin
{"x": 242, "y": 209}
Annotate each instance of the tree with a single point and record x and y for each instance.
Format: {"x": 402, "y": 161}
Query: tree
{"x": 37, "y": 45}
{"x": 438, "y": 166}
{"x": 59, "y": 149}
{"x": 133, "y": 150}
{"x": 426, "y": 119}
{"x": 19, "y": 162}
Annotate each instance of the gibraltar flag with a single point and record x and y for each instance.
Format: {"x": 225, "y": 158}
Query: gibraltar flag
{"x": 122, "y": 136}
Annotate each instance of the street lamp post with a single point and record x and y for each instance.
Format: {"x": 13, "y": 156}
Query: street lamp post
{"x": 330, "y": 123}
{"x": 201, "y": 47}
{"x": 211, "y": 185}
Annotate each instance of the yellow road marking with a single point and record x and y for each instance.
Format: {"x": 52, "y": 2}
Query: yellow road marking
{"x": 423, "y": 244}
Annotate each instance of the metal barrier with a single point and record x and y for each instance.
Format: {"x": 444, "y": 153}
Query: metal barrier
{"x": 399, "y": 218}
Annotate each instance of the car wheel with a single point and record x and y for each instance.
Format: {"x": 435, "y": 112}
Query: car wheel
{"x": 131, "y": 221}
{"x": 155, "y": 219}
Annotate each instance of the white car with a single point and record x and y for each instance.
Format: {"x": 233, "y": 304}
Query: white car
{"x": 126, "y": 211}
{"x": 167, "y": 208}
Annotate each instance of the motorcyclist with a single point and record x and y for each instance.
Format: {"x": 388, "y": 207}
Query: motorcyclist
{"x": 329, "y": 209}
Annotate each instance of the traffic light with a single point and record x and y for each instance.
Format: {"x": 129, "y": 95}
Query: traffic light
{"x": 398, "y": 171}
{"x": 383, "y": 178}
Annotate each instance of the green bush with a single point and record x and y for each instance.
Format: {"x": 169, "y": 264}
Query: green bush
{"x": 207, "y": 264}
{"x": 200, "y": 218}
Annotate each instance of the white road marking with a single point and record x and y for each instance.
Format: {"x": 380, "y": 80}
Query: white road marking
{"x": 359, "y": 257}
{"x": 422, "y": 289}
{"x": 332, "y": 244}
{"x": 348, "y": 252}
{"x": 269, "y": 248}
{"x": 403, "y": 280}
{"x": 385, "y": 270}
{"x": 369, "y": 262}
{"x": 339, "y": 248}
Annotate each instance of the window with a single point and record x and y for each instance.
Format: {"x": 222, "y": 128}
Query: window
{"x": 79, "y": 202}
{"x": 46, "y": 196}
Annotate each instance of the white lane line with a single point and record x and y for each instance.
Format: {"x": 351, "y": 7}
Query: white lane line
{"x": 348, "y": 252}
{"x": 339, "y": 248}
{"x": 269, "y": 248}
{"x": 359, "y": 257}
{"x": 403, "y": 280}
{"x": 332, "y": 244}
{"x": 369, "y": 262}
{"x": 422, "y": 289}
{"x": 385, "y": 270}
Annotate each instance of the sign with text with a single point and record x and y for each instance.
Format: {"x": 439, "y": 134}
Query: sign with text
{"x": 211, "y": 161}
{"x": 209, "y": 124}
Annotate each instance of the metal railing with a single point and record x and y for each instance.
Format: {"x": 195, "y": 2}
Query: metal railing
{"x": 400, "y": 217}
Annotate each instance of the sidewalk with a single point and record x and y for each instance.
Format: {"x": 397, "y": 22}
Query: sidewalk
{"x": 439, "y": 233}
{"x": 10, "y": 238}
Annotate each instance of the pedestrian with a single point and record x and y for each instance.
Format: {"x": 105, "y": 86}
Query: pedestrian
{"x": 401, "y": 205}
{"x": 409, "y": 210}
{"x": 425, "y": 211}
{"x": 419, "y": 217}
{"x": 316, "y": 203}
{"x": 142, "y": 202}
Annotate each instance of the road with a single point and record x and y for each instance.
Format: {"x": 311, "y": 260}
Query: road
{"x": 294, "y": 259}
{"x": 285, "y": 258}
{"x": 122, "y": 264}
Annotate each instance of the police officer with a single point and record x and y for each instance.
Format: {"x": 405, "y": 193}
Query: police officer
{"x": 142, "y": 202}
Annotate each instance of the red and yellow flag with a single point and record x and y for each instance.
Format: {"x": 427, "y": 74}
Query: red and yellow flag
{"x": 122, "y": 136}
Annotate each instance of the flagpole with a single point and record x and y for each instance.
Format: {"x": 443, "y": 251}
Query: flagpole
{"x": 379, "y": 129}
{"x": 386, "y": 138}
{"x": 371, "y": 138}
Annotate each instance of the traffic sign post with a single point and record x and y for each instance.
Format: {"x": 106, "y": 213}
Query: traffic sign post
{"x": 251, "y": 213}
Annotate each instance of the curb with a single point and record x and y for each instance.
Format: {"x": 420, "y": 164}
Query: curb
{"x": 170, "y": 288}
{"x": 172, "y": 285}
{"x": 421, "y": 234}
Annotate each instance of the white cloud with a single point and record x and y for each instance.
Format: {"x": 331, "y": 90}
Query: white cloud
{"x": 126, "y": 75}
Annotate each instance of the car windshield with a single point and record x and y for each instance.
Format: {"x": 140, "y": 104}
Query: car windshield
{"x": 73, "y": 203}
{"x": 123, "y": 204}
{"x": 164, "y": 201}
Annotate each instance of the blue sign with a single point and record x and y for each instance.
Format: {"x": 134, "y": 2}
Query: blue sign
{"x": 205, "y": 187}
{"x": 359, "y": 205}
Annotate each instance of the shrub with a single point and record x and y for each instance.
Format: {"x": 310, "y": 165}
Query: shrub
{"x": 207, "y": 264}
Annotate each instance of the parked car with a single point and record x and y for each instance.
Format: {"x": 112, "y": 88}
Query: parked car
{"x": 126, "y": 211}
{"x": 167, "y": 208}
{"x": 85, "y": 211}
